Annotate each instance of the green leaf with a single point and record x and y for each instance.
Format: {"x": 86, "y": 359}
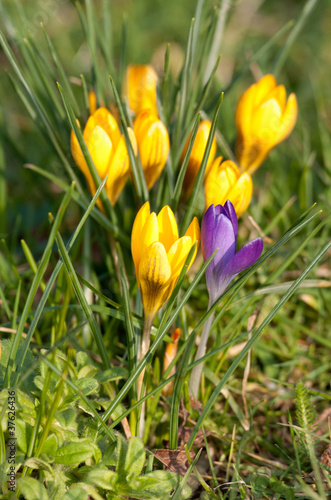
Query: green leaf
{"x": 115, "y": 373}
{"x": 87, "y": 385}
{"x": 32, "y": 489}
{"x": 156, "y": 485}
{"x": 50, "y": 446}
{"x": 74, "y": 453}
{"x": 135, "y": 457}
{"x": 76, "y": 493}
{"x": 38, "y": 463}
{"x": 103, "y": 478}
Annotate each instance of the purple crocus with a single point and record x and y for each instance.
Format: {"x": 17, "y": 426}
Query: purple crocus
{"x": 219, "y": 230}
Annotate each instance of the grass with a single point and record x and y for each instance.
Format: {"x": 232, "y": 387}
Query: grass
{"x": 71, "y": 316}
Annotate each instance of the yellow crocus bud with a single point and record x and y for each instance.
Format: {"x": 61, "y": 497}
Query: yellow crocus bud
{"x": 153, "y": 144}
{"x": 263, "y": 119}
{"x": 225, "y": 182}
{"x": 139, "y": 87}
{"x": 170, "y": 353}
{"x": 108, "y": 151}
{"x": 196, "y": 156}
{"x": 159, "y": 255}
{"x": 92, "y": 101}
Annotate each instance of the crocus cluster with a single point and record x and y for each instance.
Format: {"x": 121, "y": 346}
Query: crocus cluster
{"x": 107, "y": 146}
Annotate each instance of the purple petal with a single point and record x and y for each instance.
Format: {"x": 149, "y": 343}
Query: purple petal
{"x": 243, "y": 259}
{"x": 207, "y": 232}
{"x": 225, "y": 241}
{"x": 231, "y": 213}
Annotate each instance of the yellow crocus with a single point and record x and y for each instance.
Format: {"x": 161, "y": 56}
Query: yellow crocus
{"x": 139, "y": 87}
{"x": 153, "y": 144}
{"x": 263, "y": 119}
{"x": 225, "y": 182}
{"x": 196, "y": 156}
{"x": 159, "y": 255}
{"x": 108, "y": 151}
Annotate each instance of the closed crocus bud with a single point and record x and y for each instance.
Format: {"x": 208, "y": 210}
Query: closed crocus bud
{"x": 159, "y": 255}
{"x": 139, "y": 88}
{"x": 108, "y": 151}
{"x": 153, "y": 144}
{"x": 225, "y": 182}
{"x": 196, "y": 156}
{"x": 263, "y": 119}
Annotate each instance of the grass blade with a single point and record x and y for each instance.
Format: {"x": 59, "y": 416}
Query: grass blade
{"x": 35, "y": 285}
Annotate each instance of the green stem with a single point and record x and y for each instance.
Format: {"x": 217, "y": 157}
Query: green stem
{"x": 145, "y": 344}
{"x": 195, "y": 378}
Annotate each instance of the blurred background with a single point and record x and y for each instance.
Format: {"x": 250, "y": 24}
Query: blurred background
{"x": 299, "y": 167}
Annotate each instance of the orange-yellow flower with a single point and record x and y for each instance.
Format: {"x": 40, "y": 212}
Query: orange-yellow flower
{"x": 263, "y": 119}
{"x": 153, "y": 144}
{"x": 196, "y": 156}
{"x": 159, "y": 254}
{"x": 140, "y": 88}
{"x": 108, "y": 151}
{"x": 225, "y": 182}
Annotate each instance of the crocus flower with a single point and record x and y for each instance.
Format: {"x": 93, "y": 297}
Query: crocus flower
{"x": 219, "y": 230}
{"x": 153, "y": 144}
{"x": 159, "y": 255}
{"x": 108, "y": 151}
{"x": 225, "y": 182}
{"x": 196, "y": 156}
{"x": 263, "y": 119}
{"x": 140, "y": 88}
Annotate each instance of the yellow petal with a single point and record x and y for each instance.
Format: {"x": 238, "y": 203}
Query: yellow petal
{"x": 154, "y": 150}
{"x": 137, "y": 228}
{"x": 154, "y": 278}
{"x": 119, "y": 169}
{"x": 77, "y": 153}
{"x": 279, "y": 94}
{"x": 263, "y": 89}
{"x": 149, "y": 233}
{"x": 193, "y": 231}
{"x": 105, "y": 120}
{"x": 168, "y": 230}
{"x": 101, "y": 150}
{"x": 177, "y": 256}
{"x": 140, "y": 88}
{"x": 220, "y": 180}
{"x": 288, "y": 119}
{"x": 241, "y": 194}
{"x": 92, "y": 100}
{"x": 142, "y": 123}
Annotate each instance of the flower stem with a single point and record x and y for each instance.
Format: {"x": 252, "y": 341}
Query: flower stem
{"x": 145, "y": 343}
{"x": 195, "y": 378}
